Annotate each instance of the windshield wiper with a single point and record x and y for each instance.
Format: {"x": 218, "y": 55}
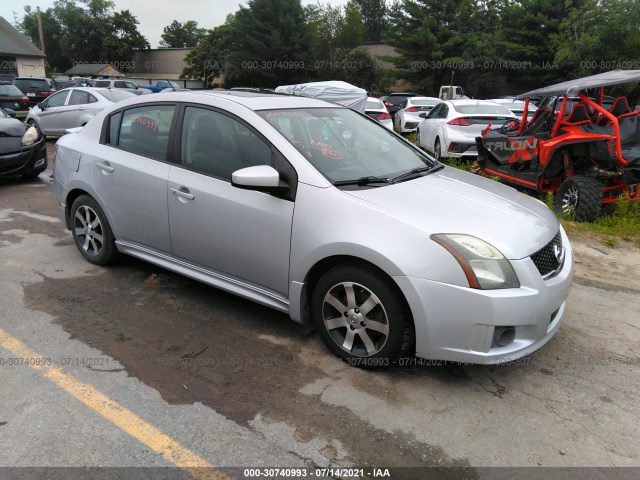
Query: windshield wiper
{"x": 416, "y": 172}
{"x": 362, "y": 181}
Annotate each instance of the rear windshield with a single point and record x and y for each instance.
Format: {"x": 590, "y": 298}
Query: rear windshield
{"x": 31, "y": 84}
{"x": 117, "y": 95}
{"x": 482, "y": 109}
{"x": 10, "y": 90}
{"x": 423, "y": 102}
{"x": 374, "y": 105}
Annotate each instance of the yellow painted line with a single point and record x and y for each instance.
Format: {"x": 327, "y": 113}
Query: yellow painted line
{"x": 121, "y": 417}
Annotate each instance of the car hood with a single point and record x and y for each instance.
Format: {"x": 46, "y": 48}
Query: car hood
{"x": 11, "y": 132}
{"x": 11, "y": 127}
{"x": 453, "y": 201}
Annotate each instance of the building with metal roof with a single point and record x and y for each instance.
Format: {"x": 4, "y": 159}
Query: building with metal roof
{"x": 18, "y": 56}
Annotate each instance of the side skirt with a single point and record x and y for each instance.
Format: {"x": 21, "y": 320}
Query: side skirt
{"x": 204, "y": 275}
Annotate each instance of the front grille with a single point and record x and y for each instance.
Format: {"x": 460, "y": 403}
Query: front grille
{"x": 549, "y": 259}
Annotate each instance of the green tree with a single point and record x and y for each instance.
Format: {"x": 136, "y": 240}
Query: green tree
{"x": 350, "y": 30}
{"x": 185, "y": 34}
{"x": 270, "y": 44}
{"x": 430, "y": 36}
{"x": 374, "y": 18}
{"x": 525, "y": 41}
{"x": 324, "y": 21}
{"x": 52, "y": 32}
{"x": 598, "y": 36}
{"x": 206, "y": 61}
{"x": 87, "y": 31}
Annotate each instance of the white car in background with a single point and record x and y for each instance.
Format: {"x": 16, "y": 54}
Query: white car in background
{"x": 375, "y": 109}
{"x": 409, "y": 115}
{"x": 72, "y": 107}
{"x": 451, "y": 128}
{"x": 516, "y": 107}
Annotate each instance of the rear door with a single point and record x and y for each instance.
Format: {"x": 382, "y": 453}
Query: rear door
{"x": 130, "y": 174}
{"x": 432, "y": 126}
{"x": 80, "y": 107}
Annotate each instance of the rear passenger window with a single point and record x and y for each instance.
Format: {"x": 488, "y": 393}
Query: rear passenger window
{"x": 142, "y": 130}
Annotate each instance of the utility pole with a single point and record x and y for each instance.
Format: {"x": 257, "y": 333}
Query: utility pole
{"x": 40, "y": 32}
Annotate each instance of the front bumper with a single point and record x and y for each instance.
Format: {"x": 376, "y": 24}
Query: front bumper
{"x": 29, "y": 160}
{"x": 458, "y": 323}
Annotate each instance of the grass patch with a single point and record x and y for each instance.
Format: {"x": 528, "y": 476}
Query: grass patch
{"x": 459, "y": 163}
{"x": 620, "y": 221}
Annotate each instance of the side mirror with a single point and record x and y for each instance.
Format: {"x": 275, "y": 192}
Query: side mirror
{"x": 262, "y": 178}
{"x": 10, "y": 112}
{"x": 42, "y": 106}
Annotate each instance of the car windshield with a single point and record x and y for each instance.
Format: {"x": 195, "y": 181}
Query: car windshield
{"x": 174, "y": 84}
{"x": 344, "y": 145}
{"x": 10, "y": 91}
{"x": 31, "y": 83}
{"x": 482, "y": 109}
{"x": 102, "y": 83}
{"x": 3, "y": 114}
{"x": 117, "y": 95}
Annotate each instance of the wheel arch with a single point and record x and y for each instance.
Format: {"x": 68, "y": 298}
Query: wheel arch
{"x": 324, "y": 265}
{"x": 69, "y": 199}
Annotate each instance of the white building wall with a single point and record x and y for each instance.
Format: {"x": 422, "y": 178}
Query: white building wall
{"x": 30, "y": 66}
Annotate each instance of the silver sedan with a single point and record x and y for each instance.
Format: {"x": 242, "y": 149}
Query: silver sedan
{"x": 71, "y": 108}
{"x": 314, "y": 210}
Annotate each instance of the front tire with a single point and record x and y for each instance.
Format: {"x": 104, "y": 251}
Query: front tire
{"x": 362, "y": 317}
{"x": 580, "y": 197}
{"x": 91, "y": 231}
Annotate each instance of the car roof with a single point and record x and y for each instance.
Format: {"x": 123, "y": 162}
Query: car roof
{"x": 435, "y": 99}
{"x": 469, "y": 101}
{"x": 574, "y": 87}
{"x": 251, "y": 100}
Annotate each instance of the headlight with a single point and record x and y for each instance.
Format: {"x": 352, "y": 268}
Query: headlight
{"x": 30, "y": 136}
{"x": 482, "y": 263}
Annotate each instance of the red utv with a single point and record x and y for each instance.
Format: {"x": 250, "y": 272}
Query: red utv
{"x": 587, "y": 155}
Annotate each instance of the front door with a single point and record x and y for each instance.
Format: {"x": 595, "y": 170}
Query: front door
{"x": 242, "y": 234}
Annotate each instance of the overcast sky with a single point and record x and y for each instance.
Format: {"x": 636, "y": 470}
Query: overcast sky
{"x": 154, "y": 15}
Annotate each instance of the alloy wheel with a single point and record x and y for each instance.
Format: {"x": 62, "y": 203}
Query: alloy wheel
{"x": 355, "y": 319}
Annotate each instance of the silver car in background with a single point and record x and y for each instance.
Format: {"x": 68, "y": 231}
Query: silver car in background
{"x": 72, "y": 107}
{"x": 314, "y": 210}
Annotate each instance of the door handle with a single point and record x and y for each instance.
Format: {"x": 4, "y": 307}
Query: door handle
{"x": 81, "y": 108}
{"x": 105, "y": 166}
{"x": 183, "y": 193}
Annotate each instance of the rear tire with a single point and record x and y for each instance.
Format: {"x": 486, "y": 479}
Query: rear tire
{"x": 91, "y": 231}
{"x": 581, "y": 197}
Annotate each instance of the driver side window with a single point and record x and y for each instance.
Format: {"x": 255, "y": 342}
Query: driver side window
{"x": 56, "y": 100}
{"x": 218, "y": 145}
